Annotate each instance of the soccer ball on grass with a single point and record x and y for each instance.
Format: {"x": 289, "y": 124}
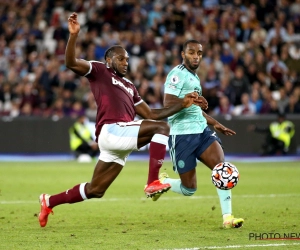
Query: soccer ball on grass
{"x": 225, "y": 175}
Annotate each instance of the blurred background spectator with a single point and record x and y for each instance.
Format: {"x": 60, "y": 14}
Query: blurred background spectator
{"x": 278, "y": 136}
{"x": 251, "y": 57}
{"x": 82, "y": 142}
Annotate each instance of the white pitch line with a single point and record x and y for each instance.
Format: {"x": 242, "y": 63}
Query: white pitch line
{"x": 238, "y": 246}
{"x": 166, "y": 198}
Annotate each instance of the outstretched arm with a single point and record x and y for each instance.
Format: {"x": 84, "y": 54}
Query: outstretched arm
{"x": 170, "y": 100}
{"x": 217, "y": 126}
{"x": 146, "y": 112}
{"x": 79, "y": 66}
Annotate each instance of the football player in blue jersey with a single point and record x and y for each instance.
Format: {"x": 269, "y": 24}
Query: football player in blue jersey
{"x": 191, "y": 139}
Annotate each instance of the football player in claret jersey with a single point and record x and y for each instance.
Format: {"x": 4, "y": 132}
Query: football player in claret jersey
{"x": 117, "y": 133}
{"x": 190, "y": 137}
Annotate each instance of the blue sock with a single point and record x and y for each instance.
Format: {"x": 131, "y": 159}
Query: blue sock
{"x": 225, "y": 201}
{"x": 178, "y": 188}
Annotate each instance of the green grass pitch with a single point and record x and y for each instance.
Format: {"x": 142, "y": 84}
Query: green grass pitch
{"x": 267, "y": 197}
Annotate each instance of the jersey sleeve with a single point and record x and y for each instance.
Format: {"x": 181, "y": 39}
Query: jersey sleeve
{"x": 136, "y": 97}
{"x": 96, "y": 69}
{"x": 174, "y": 82}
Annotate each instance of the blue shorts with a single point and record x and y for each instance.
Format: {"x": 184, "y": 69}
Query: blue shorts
{"x": 186, "y": 149}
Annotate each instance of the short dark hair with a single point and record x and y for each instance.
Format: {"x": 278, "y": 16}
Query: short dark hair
{"x": 109, "y": 52}
{"x": 188, "y": 42}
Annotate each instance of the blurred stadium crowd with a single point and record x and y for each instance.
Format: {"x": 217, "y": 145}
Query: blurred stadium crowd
{"x": 250, "y": 65}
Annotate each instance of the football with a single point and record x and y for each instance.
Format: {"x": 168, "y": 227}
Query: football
{"x": 225, "y": 176}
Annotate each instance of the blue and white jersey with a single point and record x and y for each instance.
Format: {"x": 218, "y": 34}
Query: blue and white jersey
{"x": 181, "y": 81}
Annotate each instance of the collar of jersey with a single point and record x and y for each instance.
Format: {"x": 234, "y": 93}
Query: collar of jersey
{"x": 194, "y": 74}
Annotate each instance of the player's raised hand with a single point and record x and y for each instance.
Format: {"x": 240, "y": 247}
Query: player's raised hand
{"x": 189, "y": 99}
{"x": 226, "y": 131}
{"x": 73, "y": 25}
{"x": 201, "y": 102}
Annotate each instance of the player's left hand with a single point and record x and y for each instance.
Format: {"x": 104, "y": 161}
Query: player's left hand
{"x": 222, "y": 129}
{"x": 189, "y": 99}
{"x": 201, "y": 102}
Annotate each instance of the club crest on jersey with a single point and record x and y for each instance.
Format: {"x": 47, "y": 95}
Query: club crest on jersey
{"x": 174, "y": 79}
{"x": 116, "y": 82}
{"x": 198, "y": 91}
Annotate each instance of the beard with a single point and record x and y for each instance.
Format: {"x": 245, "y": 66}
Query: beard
{"x": 192, "y": 66}
{"x": 115, "y": 68}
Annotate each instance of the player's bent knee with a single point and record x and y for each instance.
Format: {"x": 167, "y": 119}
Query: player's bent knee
{"x": 188, "y": 191}
{"x": 163, "y": 128}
